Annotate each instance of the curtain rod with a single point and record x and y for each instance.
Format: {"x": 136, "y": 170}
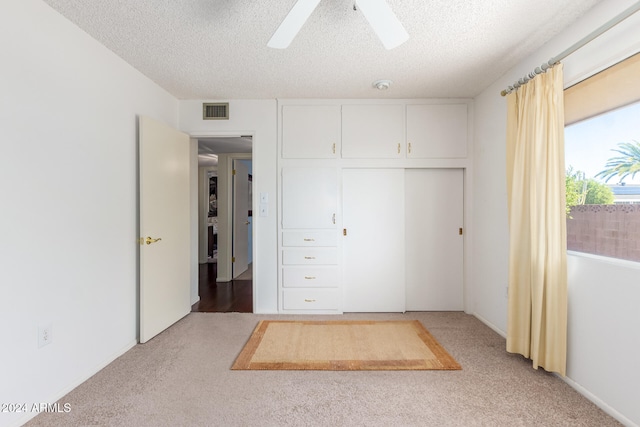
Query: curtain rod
{"x": 594, "y": 34}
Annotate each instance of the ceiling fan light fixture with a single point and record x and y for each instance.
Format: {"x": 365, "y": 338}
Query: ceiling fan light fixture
{"x": 382, "y": 84}
{"x": 384, "y": 22}
{"x": 292, "y": 23}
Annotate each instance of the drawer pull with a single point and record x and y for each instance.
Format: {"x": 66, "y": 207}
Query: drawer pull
{"x": 309, "y": 257}
{"x": 310, "y": 277}
{"x": 309, "y": 300}
{"x": 309, "y": 240}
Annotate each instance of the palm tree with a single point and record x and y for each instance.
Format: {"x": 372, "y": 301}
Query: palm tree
{"x": 626, "y": 165}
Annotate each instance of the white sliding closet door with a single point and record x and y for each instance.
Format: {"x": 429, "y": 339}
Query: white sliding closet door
{"x": 434, "y": 245}
{"x": 374, "y": 248}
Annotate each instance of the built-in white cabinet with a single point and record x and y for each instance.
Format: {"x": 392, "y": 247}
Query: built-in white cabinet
{"x": 310, "y": 131}
{"x": 309, "y": 197}
{"x": 371, "y": 206}
{"x": 437, "y": 131}
{"x": 403, "y": 248}
{"x": 373, "y": 131}
{"x": 374, "y": 251}
{"x": 434, "y": 236}
{"x": 309, "y": 255}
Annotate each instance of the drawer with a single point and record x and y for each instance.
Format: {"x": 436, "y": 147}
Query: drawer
{"x": 304, "y": 277}
{"x": 310, "y": 299}
{"x": 309, "y": 238}
{"x": 310, "y": 256}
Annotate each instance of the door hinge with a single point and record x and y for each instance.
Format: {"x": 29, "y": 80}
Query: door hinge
{"x": 233, "y": 172}
{"x": 344, "y": 231}
{"x": 233, "y": 259}
{"x": 460, "y": 231}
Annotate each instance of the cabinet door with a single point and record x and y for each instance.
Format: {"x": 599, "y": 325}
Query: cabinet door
{"x": 437, "y": 131}
{"x": 373, "y": 131}
{"x": 310, "y": 131}
{"x": 374, "y": 261}
{"x": 309, "y": 197}
{"x": 434, "y": 246}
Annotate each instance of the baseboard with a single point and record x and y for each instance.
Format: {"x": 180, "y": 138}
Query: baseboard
{"x": 598, "y": 402}
{"x": 490, "y": 325}
{"x": 60, "y": 394}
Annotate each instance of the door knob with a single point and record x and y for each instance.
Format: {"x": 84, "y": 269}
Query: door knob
{"x": 150, "y": 240}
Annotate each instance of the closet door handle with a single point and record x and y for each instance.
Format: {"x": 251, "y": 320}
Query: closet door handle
{"x": 309, "y": 257}
{"x": 309, "y": 278}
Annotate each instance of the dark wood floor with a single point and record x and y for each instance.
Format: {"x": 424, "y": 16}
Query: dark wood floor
{"x": 234, "y": 296}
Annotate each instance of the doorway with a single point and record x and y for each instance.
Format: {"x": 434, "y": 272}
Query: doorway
{"x": 225, "y": 226}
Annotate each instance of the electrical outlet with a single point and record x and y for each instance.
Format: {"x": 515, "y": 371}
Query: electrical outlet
{"x": 45, "y": 334}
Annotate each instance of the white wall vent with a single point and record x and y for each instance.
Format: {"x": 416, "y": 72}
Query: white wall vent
{"x": 215, "y": 111}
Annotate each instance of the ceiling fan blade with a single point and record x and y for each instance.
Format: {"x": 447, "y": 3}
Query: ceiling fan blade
{"x": 384, "y": 22}
{"x": 292, "y": 23}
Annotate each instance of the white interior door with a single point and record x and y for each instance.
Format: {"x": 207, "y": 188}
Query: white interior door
{"x": 164, "y": 224}
{"x": 434, "y": 245}
{"x": 373, "y": 217}
{"x": 240, "y": 218}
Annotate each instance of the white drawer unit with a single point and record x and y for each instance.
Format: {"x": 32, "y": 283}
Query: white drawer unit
{"x": 309, "y": 238}
{"x": 310, "y": 277}
{"x": 309, "y": 256}
{"x": 311, "y": 299}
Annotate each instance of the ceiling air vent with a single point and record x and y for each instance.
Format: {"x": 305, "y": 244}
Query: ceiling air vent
{"x": 217, "y": 111}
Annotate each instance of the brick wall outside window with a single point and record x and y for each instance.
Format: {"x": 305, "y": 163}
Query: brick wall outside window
{"x": 607, "y": 230}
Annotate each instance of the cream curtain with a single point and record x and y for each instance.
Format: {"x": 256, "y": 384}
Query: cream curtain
{"x": 537, "y": 312}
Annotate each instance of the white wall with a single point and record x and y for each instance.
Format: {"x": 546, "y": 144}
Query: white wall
{"x": 68, "y": 222}
{"x": 603, "y": 321}
{"x": 257, "y": 118}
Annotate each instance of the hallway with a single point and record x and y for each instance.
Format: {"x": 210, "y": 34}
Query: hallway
{"x": 223, "y": 297}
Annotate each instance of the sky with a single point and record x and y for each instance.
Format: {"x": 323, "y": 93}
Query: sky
{"x": 588, "y": 143}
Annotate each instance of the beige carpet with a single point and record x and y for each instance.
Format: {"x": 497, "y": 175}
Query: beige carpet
{"x": 182, "y": 378}
{"x": 363, "y": 345}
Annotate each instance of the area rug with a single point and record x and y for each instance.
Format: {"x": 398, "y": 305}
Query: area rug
{"x": 343, "y": 346}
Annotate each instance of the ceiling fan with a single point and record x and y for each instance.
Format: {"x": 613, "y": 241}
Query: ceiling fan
{"x": 380, "y": 16}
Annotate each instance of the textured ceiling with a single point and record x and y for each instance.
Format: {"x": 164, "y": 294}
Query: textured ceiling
{"x": 216, "y": 49}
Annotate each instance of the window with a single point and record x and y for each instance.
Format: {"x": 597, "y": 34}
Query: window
{"x": 602, "y": 157}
